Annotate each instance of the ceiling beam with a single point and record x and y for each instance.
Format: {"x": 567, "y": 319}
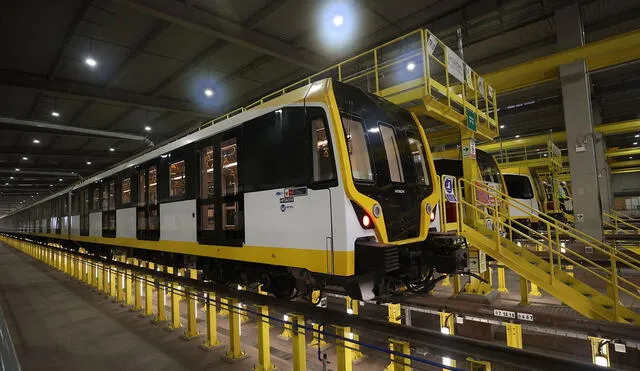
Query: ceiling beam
{"x": 71, "y": 30}
{"x": 232, "y": 32}
{"x": 34, "y": 152}
{"x": 83, "y": 91}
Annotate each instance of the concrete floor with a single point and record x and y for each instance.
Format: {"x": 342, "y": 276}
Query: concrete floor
{"x": 59, "y": 323}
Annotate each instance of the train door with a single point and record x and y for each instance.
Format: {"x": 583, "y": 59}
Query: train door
{"x": 147, "y": 207}
{"x": 288, "y": 173}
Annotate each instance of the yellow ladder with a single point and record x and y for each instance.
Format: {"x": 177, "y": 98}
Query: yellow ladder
{"x": 546, "y": 270}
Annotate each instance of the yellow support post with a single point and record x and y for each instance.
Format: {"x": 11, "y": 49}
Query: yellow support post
{"x": 478, "y": 365}
{"x": 524, "y": 298}
{"x": 569, "y": 269}
{"x": 264, "y": 353}
{"x": 137, "y": 290}
{"x": 148, "y": 292}
{"x": 79, "y": 268}
{"x": 192, "y": 308}
{"x": 234, "y": 350}
{"x": 211, "y": 341}
{"x": 353, "y": 308}
{"x": 105, "y": 279}
{"x": 287, "y": 331}
{"x": 600, "y": 351}
{"x": 120, "y": 284}
{"x": 175, "y": 304}
{"x": 244, "y": 317}
{"x": 224, "y": 308}
{"x": 447, "y": 323}
{"x": 128, "y": 285}
{"x": 534, "y": 290}
{"x": 343, "y": 350}
{"x": 299, "y": 343}
{"x": 399, "y": 363}
{"x": 161, "y": 312}
{"x": 90, "y": 272}
{"x": 446, "y": 282}
{"x": 447, "y": 361}
{"x": 457, "y": 284}
{"x": 394, "y": 312}
{"x": 317, "y": 338}
{"x": 502, "y": 280}
{"x": 514, "y": 335}
{"x": 99, "y": 281}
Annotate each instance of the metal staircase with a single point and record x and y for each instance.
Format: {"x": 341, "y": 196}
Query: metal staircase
{"x": 539, "y": 254}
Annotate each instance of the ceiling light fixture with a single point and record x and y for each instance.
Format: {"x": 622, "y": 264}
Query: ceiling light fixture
{"x": 36, "y": 141}
{"x": 11, "y": 177}
{"x": 635, "y": 143}
{"x": 518, "y": 136}
{"x": 55, "y": 114}
{"x": 88, "y": 162}
{"x": 208, "y": 92}
{"x": 25, "y": 158}
{"x": 17, "y": 169}
{"x": 637, "y": 136}
{"x": 411, "y": 66}
{"x": 338, "y": 20}
{"x": 502, "y": 126}
{"x": 91, "y": 62}
{"x": 112, "y": 149}
{"x": 147, "y": 128}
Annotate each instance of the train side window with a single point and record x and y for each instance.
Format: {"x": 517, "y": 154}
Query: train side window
{"x": 417, "y": 154}
{"x": 206, "y": 173}
{"x": 323, "y": 169}
{"x": 177, "y": 179}
{"x": 393, "y": 153}
{"x": 154, "y": 217}
{"x": 229, "y": 172}
{"x": 142, "y": 188}
{"x": 112, "y": 195}
{"x": 125, "y": 191}
{"x": 105, "y": 197}
{"x": 96, "y": 199}
{"x": 358, "y": 150}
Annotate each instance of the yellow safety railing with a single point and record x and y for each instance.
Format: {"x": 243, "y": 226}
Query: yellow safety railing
{"x": 619, "y": 225}
{"x": 548, "y": 237}
{"x": 414, "y": 68}
{"x": 622, "y": 215}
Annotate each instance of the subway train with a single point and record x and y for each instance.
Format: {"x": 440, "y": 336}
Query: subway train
{"x": 325, "y": 187}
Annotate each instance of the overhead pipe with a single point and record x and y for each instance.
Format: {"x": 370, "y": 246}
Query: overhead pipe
{"x": 89, "y": 132}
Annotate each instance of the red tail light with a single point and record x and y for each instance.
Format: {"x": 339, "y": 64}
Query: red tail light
{"x": 366, "y": 221}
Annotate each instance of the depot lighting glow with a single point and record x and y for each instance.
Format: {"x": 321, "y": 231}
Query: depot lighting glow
{"x": 36, "y": 141}
{"x": 147, "y": 128}
{"x": 55, "y": 114}
{"x": 411, "y": 66}
{"x": 338, "y": 20}
{"x": 89, "y": 61}
{"x": 25, "y": 158}
{"x": 208, "y": 93}
{"x": 112, "y": 149}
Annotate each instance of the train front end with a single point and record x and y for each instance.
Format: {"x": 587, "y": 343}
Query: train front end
{"x": 390, "y": 179}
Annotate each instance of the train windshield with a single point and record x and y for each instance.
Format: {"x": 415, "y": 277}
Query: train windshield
{"x": 519, "y": 186}
{"x": 488, "y": 167}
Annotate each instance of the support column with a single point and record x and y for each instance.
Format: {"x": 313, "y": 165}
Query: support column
{"x": 211, "y": 341}
{"x": 514, "y": 335}
{"x": 502, "y": 280}
{"x": 600, "y": 351}
{"x": 175, "y": 304}
{"x": 399, "y": 363}
{"x": 234, "y": 350}
{"x": 161, "y": 312}
{"x": 524, "y": 293}
{"x": 604, "y": 171}
{"x": 264, "y": 352}
{"x": 128, "y": 285}
{"x": 192, "y": 308}
{"x": 148, "y": 292}
{"x": 137, "y": 287}
{"x": 298, "y": 342}
{"x": 581, "y": 138}
{"x": 343, "y": 350}
{"x": 353, "y": 307}
{"x": 120, "y": 284}
{"x": 100, "y": 280}
{"x": 394, "y": 312}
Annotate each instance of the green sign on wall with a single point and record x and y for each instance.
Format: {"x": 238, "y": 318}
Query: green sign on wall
{"x": 471, "y": 119}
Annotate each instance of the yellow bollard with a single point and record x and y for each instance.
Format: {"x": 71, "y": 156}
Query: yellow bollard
{"x": 524, "y": 298}
{"x": 128, "y": 285}
{"x": 534, "y": 290}
{"x": 514, "y": 335}
{"x": 113, "y": 282}
{"x": 287, "y": 332}
{"x": 224, "y": 308}
{"x": 317, "y": 339}
{"x": 211, "y": 341}
{"x": 148, "y": 292}
{"x": 394, "y": 312}
{"x": 502, "y": 280}
{"x": 234, "y": 351}
{"x": 161, "y": 293}
{"x": 353, "y": 307}
{"x": 298, "y": 340}
{"x": 343, "y": 350}
{"x": 100, "y": 282}
{"x": 175, "y": 304}
{"x": 105, "y": 279}
{"x": 264, "y": 352}
{"x": 446, "y": 282}
{"x": 192, "y": 308}
{"x": 137, "y": 291}
{"x": 399, "y": 363}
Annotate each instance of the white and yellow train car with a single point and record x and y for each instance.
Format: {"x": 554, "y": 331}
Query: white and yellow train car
{"x": 323, "y": 186}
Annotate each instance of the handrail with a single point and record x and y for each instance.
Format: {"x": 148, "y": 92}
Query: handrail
{"x": 622, "y": 215}
{"x": 8, "y": 358}
{"x": 617, "y": 220}
{"x": 563, "y": 227}
{"x": 550, "y": 240}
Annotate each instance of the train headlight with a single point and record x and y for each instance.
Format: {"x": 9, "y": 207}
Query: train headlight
{"x": 376, "y": 210}
{"x": 366, "y": 221}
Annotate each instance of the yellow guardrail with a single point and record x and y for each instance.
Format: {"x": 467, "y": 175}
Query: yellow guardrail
{"x": 415, "y": 66}
{"x": 548, "y": 238}
{"x": 619, "y": 225}
{"x": 622, "y": 215}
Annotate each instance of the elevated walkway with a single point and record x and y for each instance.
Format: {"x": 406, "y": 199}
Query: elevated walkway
{"x": 508, "y": 242}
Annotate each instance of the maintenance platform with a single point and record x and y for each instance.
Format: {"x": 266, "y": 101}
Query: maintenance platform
{"x": 331, "y": 185}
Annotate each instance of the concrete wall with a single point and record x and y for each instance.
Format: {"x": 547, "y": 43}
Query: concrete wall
{"x": 625, "y": 184}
